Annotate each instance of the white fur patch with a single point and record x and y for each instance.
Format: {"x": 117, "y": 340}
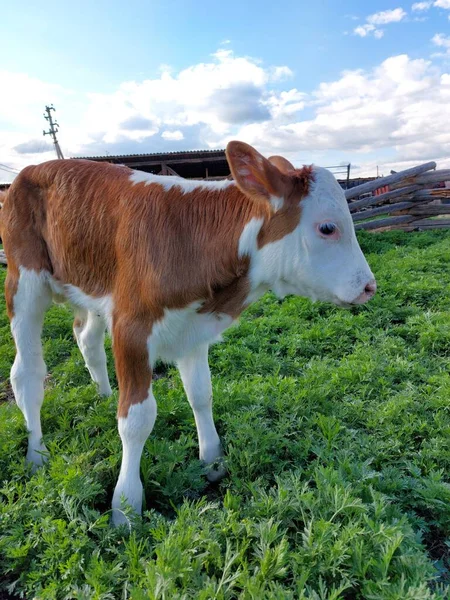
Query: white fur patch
{"x": 134, "y": 430}
{"x": 186, "y": 185}
{"x": 179, "y": 332}
{"x": 102, "y": 306}
{"x": 276, "y": 202}
{"x": 248, "y": 241}
{"x": 31, "y": 300}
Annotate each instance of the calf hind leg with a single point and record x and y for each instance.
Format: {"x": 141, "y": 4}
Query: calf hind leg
{"x": 28, "y": 297}
{"x": 89, "y": 329}
{"x": 196, "y": 378}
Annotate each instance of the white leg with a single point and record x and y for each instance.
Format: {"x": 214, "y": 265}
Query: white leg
{"x": 196, "y": 377}
{"x": 134, "y": 429}
{"x": 89, "y": 329}
{"x": 30, "y": 302}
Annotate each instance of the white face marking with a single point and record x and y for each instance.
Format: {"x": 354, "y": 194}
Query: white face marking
{"x": 332, "y": 269}
{"x": 179, "y": 332}
{"x": 308, "y": 264}
{"x": 186, "y": 185}
{"x": 134, "y": 430}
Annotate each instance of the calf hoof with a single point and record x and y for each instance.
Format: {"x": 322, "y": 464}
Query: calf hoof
{"x": 126, "y": 502}
{"x": 104, "y": 390}
{"x": 119, "y": 518}
{"x": 37, "y": 456}
{"x": 216, "y": 473}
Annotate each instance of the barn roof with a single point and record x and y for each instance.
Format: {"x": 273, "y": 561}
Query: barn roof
{"x": 158, "y": 155}
{"x": 191, "y": 164}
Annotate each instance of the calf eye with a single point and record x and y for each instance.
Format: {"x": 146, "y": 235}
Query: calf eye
{"x": 327, "y": 228}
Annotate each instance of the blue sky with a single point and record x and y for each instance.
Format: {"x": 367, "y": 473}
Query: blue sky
{"x": 328, "y": 82}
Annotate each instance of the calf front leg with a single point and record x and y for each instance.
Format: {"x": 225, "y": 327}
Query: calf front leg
{"x": 136, "y": 412}
{"x": 196, "y": 378}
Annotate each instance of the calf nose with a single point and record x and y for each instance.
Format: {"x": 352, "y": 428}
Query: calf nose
{"x": 371, "y": 288}
{"x": 367, "y": 294}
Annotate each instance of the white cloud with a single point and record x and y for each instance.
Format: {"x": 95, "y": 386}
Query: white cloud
{"x": 440, "y": 40}
{"x": 387, "y": 16}
{"x": 194, "y": 108}
{"x": 420, "y": 6}
{"x": 368, "y": 28}
{"x": 380, "y": 18}
{"x": 400, "y": 109}
{"x": 363, "y": 30}
{"x": 281, "y": 73}
{"x": 22, "y": 94}
{"x": 176, "y": 135}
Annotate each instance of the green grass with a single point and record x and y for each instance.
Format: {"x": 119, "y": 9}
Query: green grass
{"x": 336, "y": 427}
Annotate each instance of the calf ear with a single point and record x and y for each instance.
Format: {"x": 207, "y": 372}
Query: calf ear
{"x": 282, "y": 164}
{"x": 255, "y": 176}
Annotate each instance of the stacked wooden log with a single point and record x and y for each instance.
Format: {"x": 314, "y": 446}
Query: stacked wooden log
{"x": 416, "y": 199}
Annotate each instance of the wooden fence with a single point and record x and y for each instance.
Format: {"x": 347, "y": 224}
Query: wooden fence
{"x": 415, "y": 199}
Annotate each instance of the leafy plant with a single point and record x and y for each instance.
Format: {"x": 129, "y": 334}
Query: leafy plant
{"x": 336, "y": 427}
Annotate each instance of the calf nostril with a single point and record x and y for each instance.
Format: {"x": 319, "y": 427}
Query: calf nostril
{"x": 371, "y": 287}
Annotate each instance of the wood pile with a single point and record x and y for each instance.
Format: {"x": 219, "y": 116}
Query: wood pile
{"x": 414, "y": 199}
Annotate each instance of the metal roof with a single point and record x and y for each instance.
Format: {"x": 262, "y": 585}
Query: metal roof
{"x": 156, "y": 155}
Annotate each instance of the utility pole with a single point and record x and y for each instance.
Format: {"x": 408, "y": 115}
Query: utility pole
{"x": 53, "y": 130}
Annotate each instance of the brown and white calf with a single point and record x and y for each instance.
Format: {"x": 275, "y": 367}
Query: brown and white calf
{"x": 165, "y": 264}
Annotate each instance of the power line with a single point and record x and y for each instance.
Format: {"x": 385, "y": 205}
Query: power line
{"x": 9, "y": 169}
{"x": 53, "y": 130}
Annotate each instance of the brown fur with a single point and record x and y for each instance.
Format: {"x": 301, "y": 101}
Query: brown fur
{"x": 282, "y": 164}
{"x": 151, "y": 249}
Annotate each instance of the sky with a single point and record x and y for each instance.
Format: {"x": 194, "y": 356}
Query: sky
{"x": 324, "y": 82}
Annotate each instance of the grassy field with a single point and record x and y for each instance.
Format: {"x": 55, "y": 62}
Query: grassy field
{"x": 336, "y": 427}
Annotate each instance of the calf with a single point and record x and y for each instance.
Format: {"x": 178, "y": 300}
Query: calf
{"x": 165, "y": 264}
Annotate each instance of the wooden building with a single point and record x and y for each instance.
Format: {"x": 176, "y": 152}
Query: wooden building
{"x": 195, "y": 164}
{"x": 192, "y": 164}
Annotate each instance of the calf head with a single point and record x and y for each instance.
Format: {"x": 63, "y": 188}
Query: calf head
{"x": 307, "y": 246}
